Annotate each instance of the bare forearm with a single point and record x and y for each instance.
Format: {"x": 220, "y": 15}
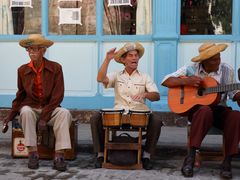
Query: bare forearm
{"x": 103, "y": 71}
{"x": 152, "y": 96}
{"x": 174, "y": 81}
{"x": 182, "y": 81}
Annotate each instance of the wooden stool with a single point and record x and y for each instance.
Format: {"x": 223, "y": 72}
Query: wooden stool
{"x": 110, "y": 145}
{"x": 45, "y": 150}
{"x": 113, "y": 121}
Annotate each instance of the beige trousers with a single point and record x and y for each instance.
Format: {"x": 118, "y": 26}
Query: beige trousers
{"x": 61, "y": 120}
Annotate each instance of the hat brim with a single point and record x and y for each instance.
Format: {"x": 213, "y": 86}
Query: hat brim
{"x": 209, "y": 53}
{"x": 35, "y": 42}
{"x": 123, "y": 50}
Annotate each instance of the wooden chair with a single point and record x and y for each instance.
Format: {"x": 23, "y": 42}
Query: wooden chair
{"x": 206, "y": 155}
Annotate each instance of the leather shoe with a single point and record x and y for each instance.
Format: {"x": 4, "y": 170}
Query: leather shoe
{"x": 59, "y": 163}
{"x": 147, "y": 164}
{"x": 99, "y": 161}
{"x": 187, "y": 168}
{"x": 33, "y": 159}
{"x": 226, "y": 170}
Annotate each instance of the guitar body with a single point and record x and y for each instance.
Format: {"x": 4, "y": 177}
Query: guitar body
{"x": 182, "y": 98}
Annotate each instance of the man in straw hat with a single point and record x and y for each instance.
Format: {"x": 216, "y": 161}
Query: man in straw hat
{"x": 40, "y": 92}
{"x": 131, "y": 88}
{"x": 203, "y": 117}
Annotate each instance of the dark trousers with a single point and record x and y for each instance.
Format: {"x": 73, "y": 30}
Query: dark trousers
{"x": 223, "y": 118}
{"x": 153, "y": 133}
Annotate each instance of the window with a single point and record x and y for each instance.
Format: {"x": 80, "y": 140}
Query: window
{"x": 76, "y": 17}
{"x": 127, "y": 17}
{"x": 20, "y": 17}
{"x": 205, "y": 17}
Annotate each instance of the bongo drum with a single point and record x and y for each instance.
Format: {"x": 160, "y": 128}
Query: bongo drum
{"x": 139, "y": 118}
{"x": 112, "y": 117}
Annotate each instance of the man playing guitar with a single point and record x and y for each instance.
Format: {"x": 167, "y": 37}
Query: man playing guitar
{"x": 207, "y": 66}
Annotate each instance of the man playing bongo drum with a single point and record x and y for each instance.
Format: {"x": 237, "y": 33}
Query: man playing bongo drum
{"x": 131, "y": 88}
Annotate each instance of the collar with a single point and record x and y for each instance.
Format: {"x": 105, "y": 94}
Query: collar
{"x": 30, "y": 64}
{"x": 201, "y": 70}
{"x": 47, "y": 66}
{"x": 125, "y": 72}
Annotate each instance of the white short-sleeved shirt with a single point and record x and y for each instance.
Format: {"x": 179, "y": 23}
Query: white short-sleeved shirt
{"x": 126, "y": 85}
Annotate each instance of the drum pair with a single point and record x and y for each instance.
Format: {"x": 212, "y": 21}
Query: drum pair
{"x": 117, "y": 117}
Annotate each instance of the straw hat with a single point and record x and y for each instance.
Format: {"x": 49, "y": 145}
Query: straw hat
{"x": 35, "y": 40}
{"x": 207, "y": 50}
{"x": 129, "y": 47}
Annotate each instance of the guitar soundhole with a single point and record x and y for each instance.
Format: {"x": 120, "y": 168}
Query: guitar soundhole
{"x": 201, "y": 91}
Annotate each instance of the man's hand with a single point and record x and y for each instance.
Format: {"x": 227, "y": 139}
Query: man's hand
{"x": 5, "y": 126}
{"x": 42, "y": 125}
{"x": 193, "y": 81}
{"x": 110, "y": 54}
{"x": 236, "y": 97}
{"x": 139, "y": 97}
{"x": 238, "y": 102}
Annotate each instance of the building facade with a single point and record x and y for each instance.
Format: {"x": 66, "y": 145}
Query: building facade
{"x": 84, "y": 30}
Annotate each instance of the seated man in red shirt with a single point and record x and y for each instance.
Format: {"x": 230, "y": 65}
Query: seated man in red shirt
{"x": 40, "y": 92}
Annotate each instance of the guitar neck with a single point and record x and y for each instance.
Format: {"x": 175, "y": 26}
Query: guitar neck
{"x": 222, "y": 88}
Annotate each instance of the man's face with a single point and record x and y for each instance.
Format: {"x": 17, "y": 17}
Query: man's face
{"x": 212, "y": 63}
{"x": 35, "y": 52}
{"x": 131, "y": 59}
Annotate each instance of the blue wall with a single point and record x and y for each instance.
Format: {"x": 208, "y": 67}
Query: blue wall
{"x": 163, "y": 46}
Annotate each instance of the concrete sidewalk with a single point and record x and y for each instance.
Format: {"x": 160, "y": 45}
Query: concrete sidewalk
{"x": 168, "y": 159}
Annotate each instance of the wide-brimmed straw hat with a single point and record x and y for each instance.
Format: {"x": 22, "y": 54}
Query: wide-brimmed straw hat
{"x": 207, "y": 50}
{"x": 35, "y": 40}
{"x": 129, "y": 47}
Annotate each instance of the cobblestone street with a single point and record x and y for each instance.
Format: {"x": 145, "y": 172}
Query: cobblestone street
{"x": 168, "y": 159}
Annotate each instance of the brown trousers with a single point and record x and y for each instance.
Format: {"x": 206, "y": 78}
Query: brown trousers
{"x": 153, "y": 133}
{"x": 223, "y": 118}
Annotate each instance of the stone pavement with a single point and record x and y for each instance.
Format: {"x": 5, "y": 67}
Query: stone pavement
{"x": 168, "y": 159}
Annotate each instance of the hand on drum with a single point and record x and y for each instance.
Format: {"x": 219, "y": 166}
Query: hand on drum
{"x": 139, "y": 97}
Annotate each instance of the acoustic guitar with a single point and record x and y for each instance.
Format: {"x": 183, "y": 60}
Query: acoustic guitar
{"x": 182, "y": 98}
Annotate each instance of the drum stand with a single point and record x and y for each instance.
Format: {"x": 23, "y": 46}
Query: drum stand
{"x": 109, "y": 145}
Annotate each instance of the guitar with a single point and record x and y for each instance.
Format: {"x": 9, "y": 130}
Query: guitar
{"x": 182, "y": 98}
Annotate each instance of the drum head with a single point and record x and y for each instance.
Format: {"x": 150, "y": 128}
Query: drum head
{"x": 139, "y": 111}
{"x": 112, "y": 110}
